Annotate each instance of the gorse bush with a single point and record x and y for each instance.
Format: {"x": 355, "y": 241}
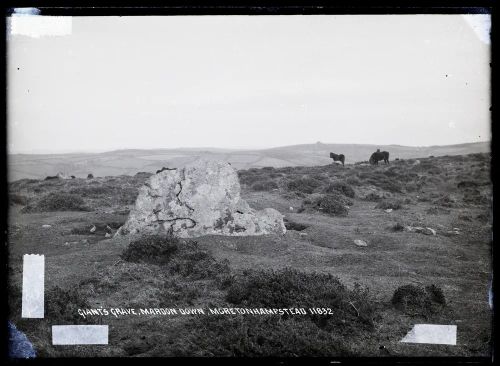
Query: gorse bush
{"x": 61, "y": 305}
{"x": 351, "y": 309}
{"x": 302, "y": 184}
{"x": 94, "y": 191}
{"x": 197, "y": 264}
{"x": 178, "y": 256}
{"x": 125, "y": 195}
{"x": 18, "y": 199}
{"x": 253, "y": 336}
{"x": 378, "y": 179}
{"x": 291, "y": 225}
{"x": 58, "y": 202}
{"x": 353, "y": 181}
{"x": 341, "y": 187}
{"x": 332, "y": 205}
{"x": 266, "y": 185}
{"x": 154, "y": 249}
{"x": 249, "y": 177}
{"x": 417, "y": 301}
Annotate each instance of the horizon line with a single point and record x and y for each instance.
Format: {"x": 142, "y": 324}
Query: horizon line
{"x": 101, "y": 151}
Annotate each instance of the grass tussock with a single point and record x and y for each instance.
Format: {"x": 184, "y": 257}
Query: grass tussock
{"x": 473, "y": 196}
{"x": 394, "y": 204}
{"x": 445, "y": 201}
{"x": 397, "y": 227}
{"x": 467, "y": 184}
{"x": 373, "y": 197}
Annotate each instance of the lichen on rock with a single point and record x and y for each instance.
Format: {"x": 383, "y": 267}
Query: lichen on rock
{"x": 199, "y": 199}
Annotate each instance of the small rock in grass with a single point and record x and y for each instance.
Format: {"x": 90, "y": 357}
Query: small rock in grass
{"x": 360, "y": 243}
{"x": 425, "y": 230}
{"x": 431, "y": 230}
{"x": 388, "y": 210}
{"x": 93, "y": 229}
{"x": 421, "y": 230}
{"x": 108, "y": 235}
{"x": 46, "y": 226}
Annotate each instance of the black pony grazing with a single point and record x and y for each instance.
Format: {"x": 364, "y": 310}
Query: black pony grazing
{"x": 339, "y": 157}
{"x": 379, "y": 155}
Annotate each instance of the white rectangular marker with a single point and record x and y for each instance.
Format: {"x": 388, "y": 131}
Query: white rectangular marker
{"x": 33, "y": 286}
{"x": 79, "y": 334}
{"x": 37, "y": 26}
{"x": 432, "y": 334}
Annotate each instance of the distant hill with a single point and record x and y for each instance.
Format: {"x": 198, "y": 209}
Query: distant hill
{"x": 131, "y": 161}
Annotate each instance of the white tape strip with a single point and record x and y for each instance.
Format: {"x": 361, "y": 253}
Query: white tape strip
{"x": 33, "y": 286}
{"x": 79, "y": 334}
{"x": 432, "y": 334}
{"x": 37, "y": 25}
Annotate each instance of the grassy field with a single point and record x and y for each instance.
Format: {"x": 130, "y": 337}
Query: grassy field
{"x": 403, "y": 276}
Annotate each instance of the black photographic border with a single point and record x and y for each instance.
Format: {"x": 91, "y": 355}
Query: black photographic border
{"x": 255, "y": 8}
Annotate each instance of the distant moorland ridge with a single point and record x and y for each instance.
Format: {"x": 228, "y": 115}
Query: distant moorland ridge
{"x": 131, "y": 161}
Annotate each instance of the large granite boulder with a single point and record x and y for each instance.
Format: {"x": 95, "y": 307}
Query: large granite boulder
{"x": 200, "y": 199}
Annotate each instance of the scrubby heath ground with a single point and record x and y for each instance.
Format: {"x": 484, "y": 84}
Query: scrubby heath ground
{"x": 402, "y": 273}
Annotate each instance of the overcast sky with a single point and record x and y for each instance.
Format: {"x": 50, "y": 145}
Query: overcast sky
{"x": 248, "y": 82}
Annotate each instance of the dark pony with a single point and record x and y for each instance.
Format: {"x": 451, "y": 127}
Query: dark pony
{"x": 379, "y": 155}
{"x": 339, "y": 157}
